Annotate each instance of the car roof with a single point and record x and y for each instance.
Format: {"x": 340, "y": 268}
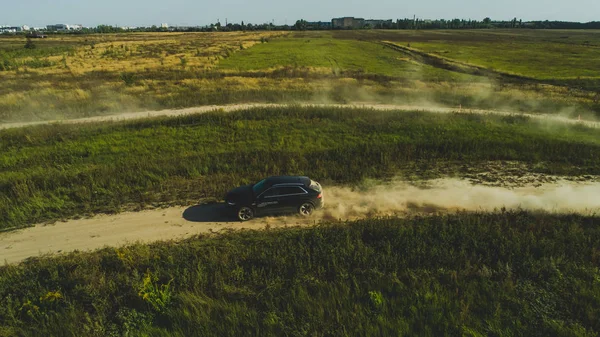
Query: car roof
{"x": 299, "y": 180}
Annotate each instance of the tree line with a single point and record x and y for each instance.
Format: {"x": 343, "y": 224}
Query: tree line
{"x": 400, "y": 24}
{"x": 488, "y": 23}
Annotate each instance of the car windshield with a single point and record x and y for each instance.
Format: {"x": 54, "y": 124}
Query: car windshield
{"x": 258, "y": 187}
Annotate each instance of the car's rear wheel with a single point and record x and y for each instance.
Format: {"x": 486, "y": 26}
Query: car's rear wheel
{"x": 245, "y": 213}
{"x": 306, "y": 209}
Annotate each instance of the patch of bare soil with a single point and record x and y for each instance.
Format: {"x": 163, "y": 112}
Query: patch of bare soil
{"x": 513, "y": 174}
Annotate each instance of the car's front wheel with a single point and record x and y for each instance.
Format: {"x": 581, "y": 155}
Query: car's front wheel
{"x": 245, "y": 213}
{"x": 306, "y": 209}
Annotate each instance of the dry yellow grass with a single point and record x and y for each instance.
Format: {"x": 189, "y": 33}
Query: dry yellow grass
{"x": 91, "y": 76}
{"x": 146, "y": 51}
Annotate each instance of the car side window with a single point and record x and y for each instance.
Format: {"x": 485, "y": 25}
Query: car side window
{"x": 291, "y": 190}
{"x": 271, "y": 192}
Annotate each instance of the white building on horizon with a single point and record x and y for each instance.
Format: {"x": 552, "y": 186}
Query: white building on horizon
{"x": 61, "y": 27}
{"x": 13, "y": 29}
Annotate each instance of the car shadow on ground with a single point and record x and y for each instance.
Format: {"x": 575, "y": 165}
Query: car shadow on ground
{"x": 214, "y": 212}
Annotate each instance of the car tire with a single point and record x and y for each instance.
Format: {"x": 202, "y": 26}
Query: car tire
{"x": 306, "y": 209}
{"x": 245, "y": 213}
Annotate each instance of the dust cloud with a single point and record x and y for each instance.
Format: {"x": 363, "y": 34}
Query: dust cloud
{"x": 421, "y": 105}
{"x": 399, "y": 197}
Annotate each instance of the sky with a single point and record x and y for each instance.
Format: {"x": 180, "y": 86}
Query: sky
{"x": 39, "y": 13}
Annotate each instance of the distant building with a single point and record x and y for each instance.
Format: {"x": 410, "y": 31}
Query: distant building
{"x": 10, "y": 29}
{"x": 379, "y": 23}
{"x": 57, "y": 27}
{"x": 164, "y": 25}
{"x": 61, "y": 27}
{"x": 354, "y": 23}
{"x": 347, "y": 22}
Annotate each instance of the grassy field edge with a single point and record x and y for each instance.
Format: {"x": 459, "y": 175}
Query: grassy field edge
{"x": 466, "y": 273}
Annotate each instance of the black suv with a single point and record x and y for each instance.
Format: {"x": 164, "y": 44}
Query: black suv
{"x": 279, "y": 194}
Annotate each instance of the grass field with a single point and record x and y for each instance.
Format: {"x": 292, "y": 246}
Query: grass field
{"x": 518, "y": 36}
{"x": 98, "y": 74}
{"x": 540, "y": 60}
{"x": 55, "y": 171}
{"x": 77, "y": 76}
{"x": 561, "y": 55}
{"x": 499, "y": 274}
{"x": 505, "y": 273}
{"x": 334, "y": 56}
{"x": 566, "y": 58}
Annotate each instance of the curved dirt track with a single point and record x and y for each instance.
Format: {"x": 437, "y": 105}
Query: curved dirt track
{"x": 394, "y": 198}
{"x": 236, "y": 107}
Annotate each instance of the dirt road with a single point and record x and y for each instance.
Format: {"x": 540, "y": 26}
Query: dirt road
{"x": 395, "y": 198}
{"x": 121, "y": 229}
{"x": 236, "y": 107}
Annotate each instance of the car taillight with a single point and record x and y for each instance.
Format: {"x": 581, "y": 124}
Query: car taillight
{"x": 320, "y": 196}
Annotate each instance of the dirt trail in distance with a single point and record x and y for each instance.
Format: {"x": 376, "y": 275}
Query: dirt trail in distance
{"x": 342, "y": 203}
{"x": 236, "y": 107}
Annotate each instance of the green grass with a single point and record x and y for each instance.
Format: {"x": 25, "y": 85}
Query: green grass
{"x": 500, "y": 274}
{"x": 335, "y": 55}
{"x": 54, "y": 171}
{"x": 15, "y": 46}
{"x": 539, "y": 54}
{"x": 316, "y": 52}
{"x": 14, "y": 55}
{"x": 539, "y": 60}
{"x": 519, "y": 36}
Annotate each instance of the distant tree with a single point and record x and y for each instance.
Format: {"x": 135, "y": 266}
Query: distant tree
{"x": 107, "y": 29}
{"x": 29, "y": 44}
{"x": 456, "y": 23}
{"x": 301, "y": 25}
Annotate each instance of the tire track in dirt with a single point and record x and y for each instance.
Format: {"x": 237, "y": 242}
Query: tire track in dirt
{"x": 237, "y": 107}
